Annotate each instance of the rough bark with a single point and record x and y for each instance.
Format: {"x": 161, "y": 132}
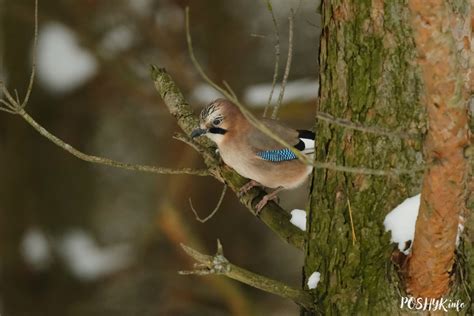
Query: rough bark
{"x": 442, "y": 34}
{"x": 368, "y": 75}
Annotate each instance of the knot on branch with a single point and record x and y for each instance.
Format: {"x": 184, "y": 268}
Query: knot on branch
{"x": 206, "y": 265}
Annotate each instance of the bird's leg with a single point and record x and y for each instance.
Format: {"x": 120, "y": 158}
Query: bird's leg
{"x": 270, "y": 196}
{"x": 246, "y": 187}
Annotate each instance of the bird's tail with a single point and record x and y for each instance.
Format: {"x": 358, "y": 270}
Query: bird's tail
{"x": 306, "y": 141}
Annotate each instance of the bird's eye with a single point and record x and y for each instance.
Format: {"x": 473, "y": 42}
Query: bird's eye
{"x": 216, "y": 122}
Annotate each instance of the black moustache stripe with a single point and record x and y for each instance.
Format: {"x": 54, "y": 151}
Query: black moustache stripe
{"x": 217, "y": 130}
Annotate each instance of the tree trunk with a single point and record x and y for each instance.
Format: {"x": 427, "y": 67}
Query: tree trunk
{"x": 442, "y": 34}
{"x": 368, "y": 76}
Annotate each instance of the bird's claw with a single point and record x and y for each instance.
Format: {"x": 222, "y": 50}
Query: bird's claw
{"x": 246, "y": 187}
{"x": 269, "y": 197}
{"x": 260, "y": 205}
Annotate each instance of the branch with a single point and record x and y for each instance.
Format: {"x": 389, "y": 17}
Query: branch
{"x": 367, "y": 129}
{"x": 208, "y": 217}
{"x": 368, "y": 171}
{"x": 277, "y": 56}
{"x": 105, "y": 161}
{"x": 218, "y": 264}
{"x": 33, "y": 63}
{"x": 18, "y": 110}
{"x": 276, "y": 218}
{"x": 288, "y": 65}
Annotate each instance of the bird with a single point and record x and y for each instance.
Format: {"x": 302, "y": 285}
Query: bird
{"x": 254, "y": 154}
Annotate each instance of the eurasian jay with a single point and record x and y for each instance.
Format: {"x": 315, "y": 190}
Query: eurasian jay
{"x": 254, "y": 154}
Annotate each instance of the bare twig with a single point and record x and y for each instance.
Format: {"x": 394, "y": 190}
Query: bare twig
{"x": 17, "y": 109}
{"x": 10, "y": 100}
{"x": 33, "y": 64}
{"x": 17, "y": 97}
{"x": 219, "y": 203}
{"x": 228, "y": 87}
{"x": 11, "y": 107}
{"x": 185, "y": 139}
{"x": 194, "y": 60}
{"x": 373, "y": 130}
{"x": 105, "y": 161}
{"x": 277, "y": 57}
{"x": 367, "y": 171}
{"x": 6, "y": 108}
{"x": 220, "y": 265}
{"x": 288, "y": 65}
{"x": 258, "y": 35}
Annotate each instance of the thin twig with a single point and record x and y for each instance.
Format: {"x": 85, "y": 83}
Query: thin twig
{"x": 288, "y": 65}
{"x": 277, "y": 57}
{"x": 220, "y": 265}
{"x": 33, "y": 70}
{"x": 228, "y": 87}
{"x": 194, "y": 60}
{"x": 354, "y": 239}
{"x": 6, "y": 110}
{"x": 258, "y": 35}
{"x": 219, "y": 203}
{"x": 356, "y": 126}
{"x": 100, "y": 160}
{"x": 185, "y": 139}
{"x": 17, "y": 109}
{"x": 201, "y": 150}
{"x": 367, "y": 171}
{"x": 105, "y": 161}
{"x": 10, "y": 99}
{"x": 33, "y": 64}
{"x": 17, "y": 97}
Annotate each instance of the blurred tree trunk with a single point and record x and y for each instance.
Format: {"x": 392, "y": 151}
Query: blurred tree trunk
{"x": 38, "y": 188}
{"x": 369, "y": 76}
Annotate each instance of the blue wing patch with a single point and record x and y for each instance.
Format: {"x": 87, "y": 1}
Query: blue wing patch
{"x": 277, "y": 155}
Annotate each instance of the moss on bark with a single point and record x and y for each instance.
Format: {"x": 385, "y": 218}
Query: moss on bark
{"x": 367, "y": 76}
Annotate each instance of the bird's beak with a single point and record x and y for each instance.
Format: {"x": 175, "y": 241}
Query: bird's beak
{"x": 198, "y": 132}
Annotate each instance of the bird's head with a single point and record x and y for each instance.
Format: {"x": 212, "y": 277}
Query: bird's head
{"x": 216, "y": 120}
